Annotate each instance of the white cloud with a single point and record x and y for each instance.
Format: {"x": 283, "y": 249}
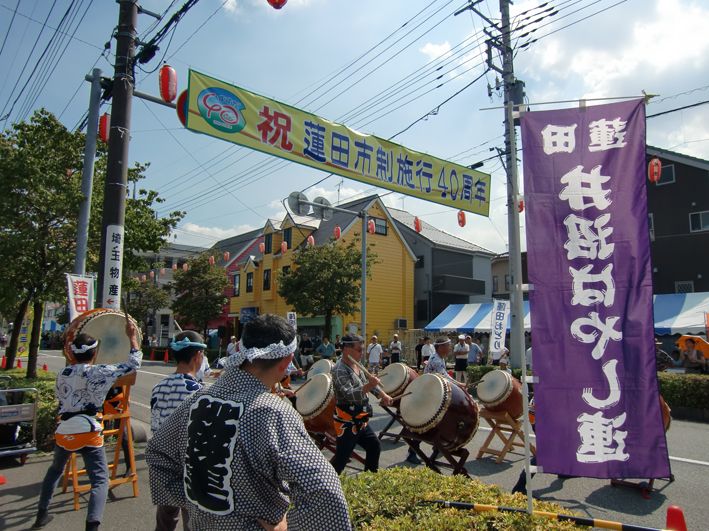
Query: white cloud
{"x": 435, "y": 51}
{"x": 193, "y": 234}
{"x": 231, "y": 6}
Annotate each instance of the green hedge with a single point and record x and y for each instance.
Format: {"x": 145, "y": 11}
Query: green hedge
{"x": 397, "y": 505}
{"x": 684, "y": 390}
{"x": 48, "y": 404}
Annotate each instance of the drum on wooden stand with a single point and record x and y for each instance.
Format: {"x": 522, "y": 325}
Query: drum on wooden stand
{"x": 107, "y": 325}
{"x": 322, "y": 366}
{"x": 315, "y": 402}
{"x": 439, "y": 411}
{"x": 396, "y": 378}
{"x": 498, "y": 391}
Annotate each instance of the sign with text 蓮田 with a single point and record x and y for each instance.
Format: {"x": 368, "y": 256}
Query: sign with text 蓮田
{"x": 236, "y": 115}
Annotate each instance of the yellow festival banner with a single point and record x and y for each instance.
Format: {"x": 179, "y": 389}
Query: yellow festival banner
{"x": 233, "y": 114}
{"x": 23, "y": 343}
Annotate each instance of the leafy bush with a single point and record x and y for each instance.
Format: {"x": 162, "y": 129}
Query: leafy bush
{"x": 684, "y": 390}
{"x": 398, "y": 505}
{"x": 48, "y": 404}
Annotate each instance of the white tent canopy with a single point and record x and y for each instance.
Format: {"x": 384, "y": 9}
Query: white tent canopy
{"x": 680, "y": 313}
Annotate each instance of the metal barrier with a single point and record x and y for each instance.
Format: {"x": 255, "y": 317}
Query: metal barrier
{"x": 16, "y": 414}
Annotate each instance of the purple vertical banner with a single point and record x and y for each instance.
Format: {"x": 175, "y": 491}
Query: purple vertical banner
{"x": 588, "y": 255}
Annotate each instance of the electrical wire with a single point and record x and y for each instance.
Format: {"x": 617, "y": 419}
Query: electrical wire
{"x": 12, "y": 20}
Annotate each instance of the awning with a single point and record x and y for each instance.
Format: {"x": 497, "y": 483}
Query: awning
{"x": 470, "y": 318}
{"x": 681, "y": 313}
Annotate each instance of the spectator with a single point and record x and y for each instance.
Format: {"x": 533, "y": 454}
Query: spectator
{"x": 693, "y": 360}
{"x": 662, "y": 359}
{"x": 461, "y": 358}
{"x": 419, "y": 355}
{"x": 676, "y": 358}
{"x": 326, "y": 349}
{"x": 475, "y": 351}
{"x": 427, "y": 351}
{"x": 338, "y": 346}
{"x": 395, "y": 349}
{"x": 374, "y": 354}
{"x": 528, "y": 355}
{"x": 306, "y": 353}
{"x": 232, "y": 347}
{"x": 503, "y": 363}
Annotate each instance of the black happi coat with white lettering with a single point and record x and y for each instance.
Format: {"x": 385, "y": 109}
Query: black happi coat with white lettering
{"x": 233, "y": 453}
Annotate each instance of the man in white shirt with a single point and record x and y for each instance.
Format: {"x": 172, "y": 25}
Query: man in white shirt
{"x": 374, "y": 354}
{"x": 231, "y": 347}
{"x": 427, "y": 349}
{"x": 528, "y": 358}
{"x": 461, "y": 359}
{"x": 395, "y": 349}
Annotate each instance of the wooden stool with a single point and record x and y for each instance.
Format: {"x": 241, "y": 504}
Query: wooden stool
{"x": 71, "y": 471}
{"x": 329, "y": 442}
{"x": 395, "y": 417}
{"x": 454, "y": 459}
{"x": 502, "y": 423}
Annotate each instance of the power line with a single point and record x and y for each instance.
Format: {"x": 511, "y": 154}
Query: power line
{"x": 678, "y": 109}
{"x": 9, "y": 27}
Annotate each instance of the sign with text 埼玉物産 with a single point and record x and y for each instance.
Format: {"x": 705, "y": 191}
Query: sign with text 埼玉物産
{"x": 233, "y": 114}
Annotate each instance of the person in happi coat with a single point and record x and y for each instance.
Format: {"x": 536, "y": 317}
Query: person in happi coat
{"x": 81, "y": 390}
{"x": 238, "y": 457}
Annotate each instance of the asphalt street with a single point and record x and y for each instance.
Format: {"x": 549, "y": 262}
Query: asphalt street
{"x": 593, "y": 498}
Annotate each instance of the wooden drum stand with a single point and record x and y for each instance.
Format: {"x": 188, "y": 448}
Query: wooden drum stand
{"x": 123, "y": 414}
{"x": 502, "y": 423}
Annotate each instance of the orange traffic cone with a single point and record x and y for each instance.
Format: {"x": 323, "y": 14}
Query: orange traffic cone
{"x": 2, "y": 480}
{"x": 167, "y": 358}
{"x": 44, "y": 367}
{"x": 4, "y": 362}
{"x": 19, "y": 364}
{"x": 675, "y": 519}
{"x": 152, "y": 355}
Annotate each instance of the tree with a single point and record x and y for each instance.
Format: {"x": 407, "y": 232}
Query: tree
{"x": 144, "y": 300}
{"x": 200, "y": 292}
{"x": 326, "y": 280}
{"x": 40, "y": 194}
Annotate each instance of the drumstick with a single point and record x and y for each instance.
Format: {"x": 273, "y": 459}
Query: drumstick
{"x": 366, "y": 372}
{"x": 301, "y": 387}
{"x": 402, "y": 396}
{"x": 125, "y": 309}
{"x": 473, "y": 384}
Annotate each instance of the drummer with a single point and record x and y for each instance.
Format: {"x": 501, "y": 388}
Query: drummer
{"x": 436, "y": 363}
{"x": 352, "y": 409}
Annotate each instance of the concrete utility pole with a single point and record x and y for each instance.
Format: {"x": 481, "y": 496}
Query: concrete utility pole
{"x": 110, "y": 268}
{"x": 87, "y": 175}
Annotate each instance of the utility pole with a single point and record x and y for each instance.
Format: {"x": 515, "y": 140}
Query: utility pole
{"x": 110, "y": 268}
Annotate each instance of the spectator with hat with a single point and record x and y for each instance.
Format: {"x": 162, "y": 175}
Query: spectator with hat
{"x": 662, "y": 359}
{"x": 232, "y": 347}
{"x": 461, "y": 358}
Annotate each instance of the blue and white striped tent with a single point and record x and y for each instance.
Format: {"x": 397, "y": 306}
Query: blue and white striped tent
{"x": 470, "y": 318}
{"x": 681, "y": 313}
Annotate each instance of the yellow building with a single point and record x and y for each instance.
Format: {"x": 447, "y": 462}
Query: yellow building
{"x": 390, "y": 292}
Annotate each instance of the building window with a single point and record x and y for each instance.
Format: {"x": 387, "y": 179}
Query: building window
{"x": 237, "y": 285}
{"x": 495, "y": 284}
{"x": 419, "y": 262}
{"x": 651, "y": 226}
{"x": 287, "y": 233}
{"x": 266, "y": 279}
{"x": 249, "y": 282}
{"x": 667, "y": 175}
{"x": 168, "y": 263}
{"x": 699, "y": 221}
{"x": 507, "y": 283}
{"x": 422, "y": 310}
{"x": 267, "y": 243}
{"x": 167, "y": 289}
{"x": 684, "y": 287}
{"x": 380, "y": 226}
{"x": 286, "y": 270}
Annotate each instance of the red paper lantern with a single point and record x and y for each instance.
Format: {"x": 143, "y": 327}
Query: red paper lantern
{"x": 284, "y": 247}
{"x": 371, "y": 226}
{"x": 211, "y": 260}
{"x": 654, "y": 170}
{"x": 152, "y": 274}
{"x": 144, "y": 278}
{"x": 521, "y": 206}
{"x": 174, "y": 267}
{"x": 181, "y": 108}
{"x": 226, "y": 256}
{"x": 338, "y": 232}
{"x": 417, "y": 224}
{"x": 104, "y": 126}
{"x": 184, "y": 267}
{"x": 311, "y": 241}
{"x": 262, "y": 247}
{"x": 162, "y": 272}
{"x": 168, "y": 83}
{"x": 461, "y": 218}
{"x": 277, "y": 4}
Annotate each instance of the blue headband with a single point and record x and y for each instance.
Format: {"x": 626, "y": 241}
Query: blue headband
{"x": 184, "y": 343}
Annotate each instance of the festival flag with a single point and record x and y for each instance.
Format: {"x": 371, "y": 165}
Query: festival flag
{"x": 588, "y": 254}
{"x": 498, "y": 327}
{"x": 81, "y": 294}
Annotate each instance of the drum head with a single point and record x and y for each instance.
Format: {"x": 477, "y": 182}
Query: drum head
{"x": 315, "y": 396}
{"x": 494, "y": 387}
{"x": 320, "y": 367}
{"x": 110, "y": 327}
{"x": 393, "y": 377}
{"x": 429, "y": 394}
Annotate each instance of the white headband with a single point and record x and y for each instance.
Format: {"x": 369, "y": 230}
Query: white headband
{"x": 271, "y": 352}
{"x": 84, "y": 348}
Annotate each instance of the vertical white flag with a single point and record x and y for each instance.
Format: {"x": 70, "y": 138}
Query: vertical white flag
{"x": 500, "y": 314}
{"x": 81, "y": 294}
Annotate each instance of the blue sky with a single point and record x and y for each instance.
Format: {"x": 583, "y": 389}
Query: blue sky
{"x": 623, "y": 47}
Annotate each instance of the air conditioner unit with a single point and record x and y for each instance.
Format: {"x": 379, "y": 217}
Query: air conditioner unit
{"x": 401, "y": 323}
